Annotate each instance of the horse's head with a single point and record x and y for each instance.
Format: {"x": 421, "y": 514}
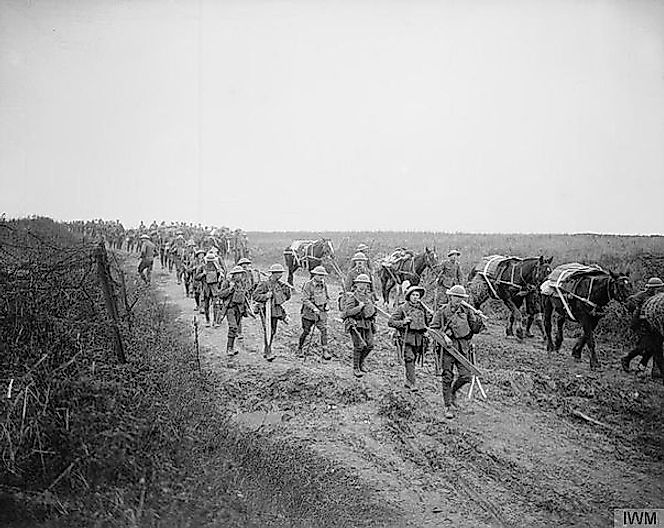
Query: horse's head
{"x": 326, "y": 247}
{"x": 542, "y": 269}
{"x": 620, "y": 286}
{"x": 430, "y": 258}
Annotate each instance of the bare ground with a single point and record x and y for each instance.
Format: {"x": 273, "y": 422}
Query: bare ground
{"x": 521, "y": 458}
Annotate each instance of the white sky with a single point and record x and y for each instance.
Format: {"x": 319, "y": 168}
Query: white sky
{"x": 518, "y": 116}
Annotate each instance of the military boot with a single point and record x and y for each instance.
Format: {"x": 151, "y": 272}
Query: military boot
{"x": 356, "y": 364}
{"x": 363, "y": 357}
{"x": 410, "y": 376}
{"x": 230, "y": 347}
{"x": 326, "y": 354}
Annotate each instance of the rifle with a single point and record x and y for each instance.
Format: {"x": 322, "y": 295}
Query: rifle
{"x": 477, "y": 312}
{"x": 440, "y": 339}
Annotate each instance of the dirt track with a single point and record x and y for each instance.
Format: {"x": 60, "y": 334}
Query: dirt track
{"x": 518, "y": 459}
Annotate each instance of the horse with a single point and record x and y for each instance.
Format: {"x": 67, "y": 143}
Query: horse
{"x": 410, "y": 269}
{"x": 585, "y": 300}
{"x": 517, "y": 280}
{"x": 307, "y": 254}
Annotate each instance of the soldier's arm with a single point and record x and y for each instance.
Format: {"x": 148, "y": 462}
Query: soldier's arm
{"x": 226, "y": 290}
{"x": 286, "y": 290}
{"x": 260, "y": 293}
{"x": 437, "y": 320}
{"x": 308, "y": 296}
{"x": 352, "y": 306}
{"x": 396, "y": 319}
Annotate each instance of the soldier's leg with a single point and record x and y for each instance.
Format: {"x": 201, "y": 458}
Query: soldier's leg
{"x": 463, "y": 377}
{"x": 357, "y": 352}
{"x": 148, "y": 272}
{"x": 239, "y": 329}
{"x": 307, "y": 325}
{"x": 448, "y": 376}
{"x": 233, "y": 316}
{"x": 207, "y": 297}
{"x": 368, "y": 336}
{"x": 321, "y": 324}
{"x": 409, "y": 360}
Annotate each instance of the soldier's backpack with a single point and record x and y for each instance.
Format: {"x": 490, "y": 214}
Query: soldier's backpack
{"x": 211, "y": 273}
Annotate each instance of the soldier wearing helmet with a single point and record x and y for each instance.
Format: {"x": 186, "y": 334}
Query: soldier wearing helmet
{"x": 233, "y": 293}
{"x": 148, "y": 253}
{"x": 197, "y": 276}
{"x": 210, "y": 276}
{"x": 315, "y": 305}
{"x": 359, "y": 266}
{"x": 448, "y": 274}
{"x": 458, "y": 324}
{"x": 274, "y": 291}
{"x": 359, "y": 320}
{"x": 411, "y": 320}
{"x": 644, "y": 344}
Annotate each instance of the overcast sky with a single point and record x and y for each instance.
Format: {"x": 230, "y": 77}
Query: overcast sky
{"x": 496, "y": 116}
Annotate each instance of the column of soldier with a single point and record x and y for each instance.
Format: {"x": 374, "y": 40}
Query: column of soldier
{"x": 238, "y": 293}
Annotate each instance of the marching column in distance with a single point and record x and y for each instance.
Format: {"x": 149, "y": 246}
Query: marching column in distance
{"x": 234, "y": 294}
{"x": 276, "y": 293}
{"x": 411, "y": 320}
{"x": 359, "y": 320}
{"x": 458, "y": 324}
{"x": 315, "y": 305}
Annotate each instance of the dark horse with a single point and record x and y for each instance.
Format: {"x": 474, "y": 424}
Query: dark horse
{"x": 308, "y": 255}
{"x": 586, "y": 300}
{"x": 410, "y": 269}
{"x": 516, "y": 280}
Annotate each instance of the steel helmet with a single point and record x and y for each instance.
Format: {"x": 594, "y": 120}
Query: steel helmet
{"x": 237, "y": 269}
{"x": 414, "y": 289}
{"x": 362, "y": 247}
{"x": 210, "y": 256}
{"x": 359, "y": 256}
{"x": 363, "y": 278}
{"x": 453, "y": 252}
{"x": 276, "y": 268}
{"x": 145, "y": 237}
{"x": 654, "y": 282}
{"x": 457, "y": 291}
{"x": 244, "y": 260}
{"x": 199, "y": 252}
{"x": 319, "y": 270}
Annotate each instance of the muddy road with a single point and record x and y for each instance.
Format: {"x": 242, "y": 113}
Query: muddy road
{"x": 523, "y": 457}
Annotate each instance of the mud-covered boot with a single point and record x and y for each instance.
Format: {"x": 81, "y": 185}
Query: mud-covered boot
{"x": 326, "y": 354}
{"x": 410, "y": 376}
{"x": 230, "y": 347}
{"x": 363, "y": 357}
{"x": 356, "y": 364}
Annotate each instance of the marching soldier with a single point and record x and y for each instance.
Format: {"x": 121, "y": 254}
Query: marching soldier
{"x": 176, "y": 253}
{"x": 411, "y": 319}
{"x": 644, "y": 344}
{"x": 251, "y": 282}
{"x": 315, "y": 301}
{"x": 197, "y": 275}
{"x": 457, "y": 323}
{"x": 359, "y": 320}
{"x": 359, "y": 267}
{"x": 148, "y": 253}
{"x": 449, "y": 274}
{"x": 276, "y": 293}
{"x": 234, "y": 294}
{"x": 210, "y": 276}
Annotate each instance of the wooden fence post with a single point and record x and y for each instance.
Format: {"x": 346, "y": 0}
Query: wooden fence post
{"x": 104, "y": 274}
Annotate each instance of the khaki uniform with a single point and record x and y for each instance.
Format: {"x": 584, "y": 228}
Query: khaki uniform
{"x": 412, "y": 335}
{"x": 280, "y": 294}
{"x": 360, "y": 324}
{"x": 314, "y": 295}
{"x": 455, "y": 322}
{"x": 234, "y": 297}
{"x": 449, "y": 274}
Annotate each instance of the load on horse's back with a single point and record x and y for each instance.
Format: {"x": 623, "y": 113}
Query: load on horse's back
{"x": 511, "y": 280}
{"x": 307, "y": 254}
{"x": 580, "y": 293}
{"x": 404, "y": 265}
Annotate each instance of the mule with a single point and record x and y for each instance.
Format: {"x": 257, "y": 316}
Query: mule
{"x": 516, "y": 281}
{"x": 312, "y": 255}
{"x": 586, "y": 301}
{"x": 410, "y": 269}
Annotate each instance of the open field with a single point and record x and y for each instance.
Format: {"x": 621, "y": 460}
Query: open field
{"x": 244, "y": 442}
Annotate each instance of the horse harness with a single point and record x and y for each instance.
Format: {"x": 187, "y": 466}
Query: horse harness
{"x": 586, "y": 300}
